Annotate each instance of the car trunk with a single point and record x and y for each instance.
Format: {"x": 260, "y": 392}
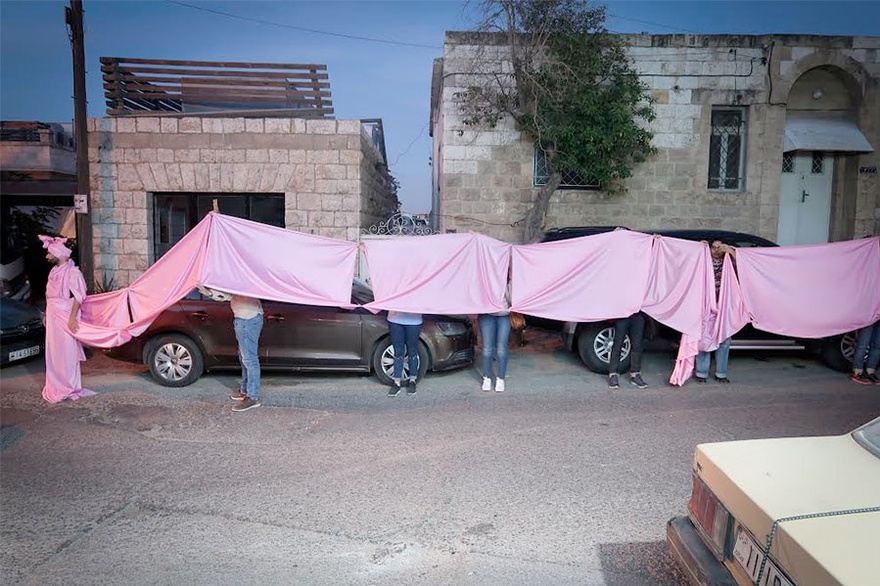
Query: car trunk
{"x": 761, "y": 481}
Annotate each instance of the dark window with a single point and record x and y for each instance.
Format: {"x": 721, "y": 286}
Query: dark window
{"x": 569, "y": 180}
{"x": 787, "y": 163}
{"x": 727, "y": 149}
{"x": 175, "y": 214}
{"x": 818, "y": 163}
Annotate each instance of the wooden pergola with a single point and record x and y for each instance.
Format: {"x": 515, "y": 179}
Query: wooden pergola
{"x": 144, "y": 87}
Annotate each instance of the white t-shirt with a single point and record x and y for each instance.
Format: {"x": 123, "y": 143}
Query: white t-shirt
{"x": 242, "y": 307}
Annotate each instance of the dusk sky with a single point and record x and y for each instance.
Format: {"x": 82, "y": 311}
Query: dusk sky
{"x": 379, "y": 54}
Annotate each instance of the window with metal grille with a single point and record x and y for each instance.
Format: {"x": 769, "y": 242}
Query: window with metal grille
{"x": 727, "y": 148}
{"x": 818, "y": 163}
{"x": 175, "y": 214}
{"x": 569, "y": 180}
{"x": 787, "y": 163}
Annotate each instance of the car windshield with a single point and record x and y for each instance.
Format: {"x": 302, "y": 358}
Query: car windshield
{"x": 868, "y": 436}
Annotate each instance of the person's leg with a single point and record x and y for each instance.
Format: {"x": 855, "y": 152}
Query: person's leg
{"x": 412, "y": 350}
{"x": 862, "y": 342}
{"x": 874, "y": 351}
{"x": 701, "y": 366}
{"x": 503, "y": 339}
{"x": 621, "y": 328}
{"x": 249, "y": 344}
{"x": 488, "y": 336}
{"x": 722, "y": 354}
{"x": 238, "y": 328}
{"x": 398, "y": 342}
{"x": 637, "y": 342}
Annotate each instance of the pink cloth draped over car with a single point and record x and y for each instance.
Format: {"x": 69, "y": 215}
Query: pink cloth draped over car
{"x": 227, "y": 254}
{"x": 443, "y": 273}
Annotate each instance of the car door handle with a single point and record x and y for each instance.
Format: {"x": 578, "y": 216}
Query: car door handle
{"x": 804, "y": 196}
{"x": 276, "y": 317}
{"x": 201, "y": 315}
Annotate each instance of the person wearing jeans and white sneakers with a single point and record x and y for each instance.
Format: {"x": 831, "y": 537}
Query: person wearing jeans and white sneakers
{"x": 494, "y": 336}
{"x": 248, "y": 323}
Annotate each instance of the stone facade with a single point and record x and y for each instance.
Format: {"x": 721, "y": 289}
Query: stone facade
{"x": 484, "y": 178}
{"x": 329, "y": 171}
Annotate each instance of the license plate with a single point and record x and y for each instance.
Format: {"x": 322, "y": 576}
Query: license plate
{"x": 749, "y": 555}
{"x": 19, "y": 354}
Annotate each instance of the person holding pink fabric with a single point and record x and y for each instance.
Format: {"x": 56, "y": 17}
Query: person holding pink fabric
{"x": 867, "y": 356}
{"x": 65, "y": 292}
{"x": 701, "y": 366}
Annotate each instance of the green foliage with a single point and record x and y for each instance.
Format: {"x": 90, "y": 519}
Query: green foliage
{"x": 573, "y": 89}
{"x": 106, "y": 284}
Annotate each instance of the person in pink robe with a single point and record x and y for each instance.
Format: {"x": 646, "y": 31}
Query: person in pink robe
{"x": 65, "y": 292}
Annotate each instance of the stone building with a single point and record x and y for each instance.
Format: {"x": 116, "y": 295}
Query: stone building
{"x": 771, "y": 135}
{"x": 155, "y": 173}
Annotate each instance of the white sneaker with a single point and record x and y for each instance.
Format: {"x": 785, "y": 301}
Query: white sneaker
{"x": 487, "y": 383}
{"x": 499, "y": 385}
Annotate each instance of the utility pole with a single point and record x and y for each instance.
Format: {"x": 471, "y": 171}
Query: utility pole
{"x": 73, "y": 16}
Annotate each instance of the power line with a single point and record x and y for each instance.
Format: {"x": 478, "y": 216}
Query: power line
{"x": 673, "y": 28}
{"x": 299, "y": 28}
{"x": 406, "y": 150}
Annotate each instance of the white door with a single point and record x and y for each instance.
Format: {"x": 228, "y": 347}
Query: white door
{"x": 805, "y": 198}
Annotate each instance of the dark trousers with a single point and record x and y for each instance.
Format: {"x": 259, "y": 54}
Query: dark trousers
{"x": 405, "y": 340}
{"x": 633, "y": 325}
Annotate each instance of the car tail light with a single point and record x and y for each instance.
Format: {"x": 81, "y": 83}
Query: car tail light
{"x": 709, "y": 515}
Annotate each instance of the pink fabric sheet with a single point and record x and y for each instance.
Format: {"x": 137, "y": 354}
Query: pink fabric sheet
{"x": 807, "y": 291}
{"x": 583, "y": 279}
{"x": 444, "y": 273}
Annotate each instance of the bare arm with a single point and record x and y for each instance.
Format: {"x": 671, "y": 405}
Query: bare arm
{"x": 71, "y": 321}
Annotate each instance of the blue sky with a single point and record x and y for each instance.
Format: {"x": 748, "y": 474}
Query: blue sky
{"x": 388, "y": 80}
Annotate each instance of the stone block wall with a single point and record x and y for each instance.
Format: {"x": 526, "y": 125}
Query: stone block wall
{"x": 322, "y": 167}
{"x": 486, "y": 176}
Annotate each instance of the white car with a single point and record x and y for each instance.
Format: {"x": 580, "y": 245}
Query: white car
{"x": 801, "y": 511}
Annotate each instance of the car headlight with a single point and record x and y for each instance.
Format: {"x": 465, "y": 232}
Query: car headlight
{"x": 451, "y": 328}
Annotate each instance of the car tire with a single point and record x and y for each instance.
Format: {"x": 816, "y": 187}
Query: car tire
{"x": 175, "y": 361}
{"x": 383, "y": 361}
{"x": 594, "y": 348}
{"x": 838, "y": 351}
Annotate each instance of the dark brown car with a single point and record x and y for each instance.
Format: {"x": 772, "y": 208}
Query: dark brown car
{"x": 196, "y": 334}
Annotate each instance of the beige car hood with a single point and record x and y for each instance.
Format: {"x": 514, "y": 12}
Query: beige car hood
{"x": 760, "y": 481}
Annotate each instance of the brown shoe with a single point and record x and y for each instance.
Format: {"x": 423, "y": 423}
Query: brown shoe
{"x": 247, "y": 404}
{"x": 238, "y": 396}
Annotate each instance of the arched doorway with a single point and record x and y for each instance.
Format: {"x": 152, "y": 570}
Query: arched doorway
{"x": 822, "y": 139}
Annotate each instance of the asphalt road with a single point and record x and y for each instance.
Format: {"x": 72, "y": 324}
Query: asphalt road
{"x": 556, "y": 481}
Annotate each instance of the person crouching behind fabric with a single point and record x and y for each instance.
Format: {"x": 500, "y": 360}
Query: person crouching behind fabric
{"x": 65, "y": 292}
{"x": 247, "y": 322}
{"x": 404, "y": 329}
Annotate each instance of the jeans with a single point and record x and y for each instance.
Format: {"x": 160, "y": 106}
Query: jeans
{"x": 247, "y": 333}
{"x": 495, "y": 333}
{"x": 405, "y": 340}
{"x": 721, "y": 357}
{"x": 633, "y": 325}
{"x": 868, "y": 344}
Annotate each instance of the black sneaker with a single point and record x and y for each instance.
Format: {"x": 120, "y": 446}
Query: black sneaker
{"x": 722, "y": 379}
{"x": 871, "y": 376}
{"x": 411, "y": 387}
{"x": 700, "y": 379}
{"x": 246, "y": 404}
{"x": 613, "y": 381}
{"x": 861, "y": 378}
{"x": 394, "y": 390}
{"x": 637, "y": 380}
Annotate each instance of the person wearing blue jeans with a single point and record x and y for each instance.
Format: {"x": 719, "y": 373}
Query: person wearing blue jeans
{"x": 494, "y": 335}
{"x": 717, "y": 249}
{"x": 867, "y": 356}
{"x": 247, "y": 322}
{"x": 404, "y": 329}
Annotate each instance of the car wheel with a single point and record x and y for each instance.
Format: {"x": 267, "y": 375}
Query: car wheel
{"x": 594, "y": 347}
{"x": 383, "y": 361}
{"x": 838, "y": 351}
{"x": 175, "y": 361}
